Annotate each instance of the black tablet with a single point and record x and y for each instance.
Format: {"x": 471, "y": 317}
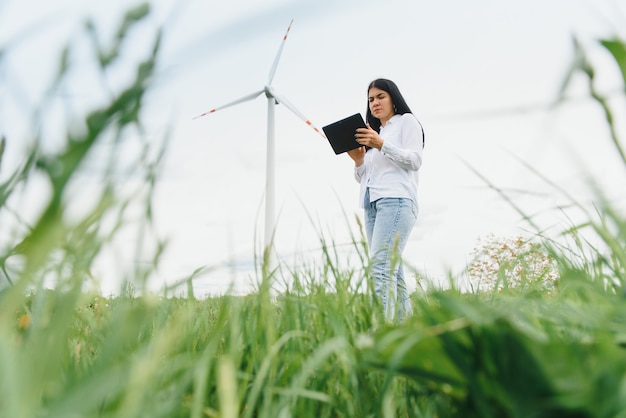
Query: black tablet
{"x": 340, "y": 134}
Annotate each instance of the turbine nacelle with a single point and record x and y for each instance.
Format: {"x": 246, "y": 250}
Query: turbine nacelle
{"x": 268, "y": 92}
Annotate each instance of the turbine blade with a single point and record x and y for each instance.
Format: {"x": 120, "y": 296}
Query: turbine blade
{"x": 241, "y": 100}
{"x": 280, "y": 51}
{"x": 288, "y": 105}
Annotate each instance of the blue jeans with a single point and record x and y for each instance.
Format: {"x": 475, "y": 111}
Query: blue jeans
{"x": 388, "y": 224}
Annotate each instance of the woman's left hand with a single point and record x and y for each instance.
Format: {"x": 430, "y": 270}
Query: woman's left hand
{"x": 369, "y": 137}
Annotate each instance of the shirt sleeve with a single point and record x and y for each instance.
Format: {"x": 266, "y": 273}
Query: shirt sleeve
{"x": 409, "y": 154}
{"x": 358, "y": 172}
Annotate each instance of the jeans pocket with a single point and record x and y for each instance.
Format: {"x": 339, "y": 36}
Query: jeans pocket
{"x": 413, "y": 205}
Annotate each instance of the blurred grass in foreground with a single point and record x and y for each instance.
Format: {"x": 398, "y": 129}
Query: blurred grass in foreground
{"x": 516, "y": 349}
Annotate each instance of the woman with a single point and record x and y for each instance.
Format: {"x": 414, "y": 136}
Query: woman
{"x": 386, "y": 166}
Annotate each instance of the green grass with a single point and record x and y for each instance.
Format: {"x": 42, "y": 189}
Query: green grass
{"x": 517, "y": 349}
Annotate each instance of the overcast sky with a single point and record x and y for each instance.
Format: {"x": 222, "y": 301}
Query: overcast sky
{"x": 479, "y": 76}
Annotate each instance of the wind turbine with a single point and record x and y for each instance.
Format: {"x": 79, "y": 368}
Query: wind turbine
{"x": 273, "y": 99}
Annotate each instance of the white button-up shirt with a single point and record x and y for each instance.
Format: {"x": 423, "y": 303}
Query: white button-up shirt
{"x": 393, "y": 171}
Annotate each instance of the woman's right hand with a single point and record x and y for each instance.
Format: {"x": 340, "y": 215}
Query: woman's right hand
{"x": 358, "y": 155}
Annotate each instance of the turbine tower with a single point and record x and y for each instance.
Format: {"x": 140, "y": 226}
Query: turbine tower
{"x": 273, "y": 99}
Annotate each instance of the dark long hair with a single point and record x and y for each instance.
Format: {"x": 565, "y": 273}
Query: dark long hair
{"x": 399, "y": 104}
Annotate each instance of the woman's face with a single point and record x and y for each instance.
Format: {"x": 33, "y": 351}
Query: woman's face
{"x": 380, "y": 104}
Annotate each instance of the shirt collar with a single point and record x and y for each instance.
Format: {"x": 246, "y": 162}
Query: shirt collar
{"x": 393, "y": 118}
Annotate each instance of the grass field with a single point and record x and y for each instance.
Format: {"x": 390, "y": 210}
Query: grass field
{"x": 543, "y": 335}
